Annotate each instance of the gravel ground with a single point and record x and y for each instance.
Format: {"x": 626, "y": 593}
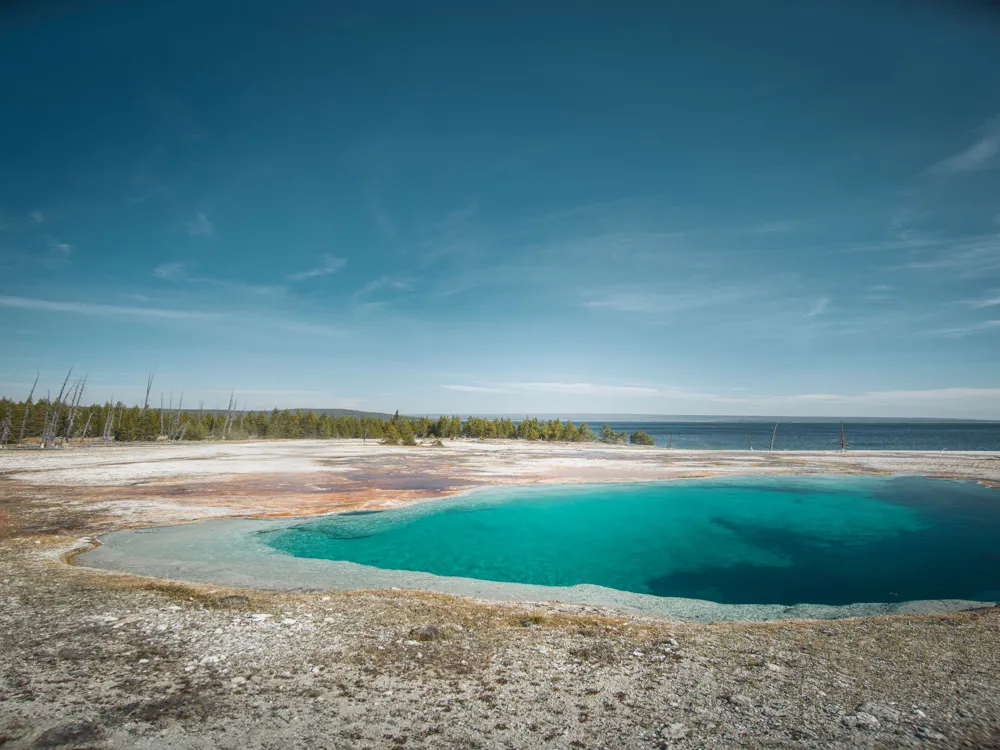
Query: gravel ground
{"x": 95, "y": 659}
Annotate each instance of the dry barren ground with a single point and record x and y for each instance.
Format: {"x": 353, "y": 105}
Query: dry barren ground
{"x": 91, "y": 659}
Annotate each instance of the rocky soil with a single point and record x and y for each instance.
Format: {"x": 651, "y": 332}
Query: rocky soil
{"x": 92, "y": 659}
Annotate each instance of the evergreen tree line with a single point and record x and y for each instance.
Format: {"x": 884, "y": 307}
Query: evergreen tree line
{"x": 31, "y": 421}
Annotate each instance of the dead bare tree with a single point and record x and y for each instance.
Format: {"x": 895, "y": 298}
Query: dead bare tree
{"x": 86, "y": 427}
{"x": 749, "y": 442}
{"x": 670, "y": 441}
{"x": 773, "y": 433}
{"x": 75, "y": 404}
{"x": 149, "y": 387}
{"x": 109, "y": 420}
{"x": 230, "y": 415}
{"x": 161, "y": 413}
{"x": 175, "y": 419}
{"x": 27, "y": 409}
{"x": 6, "y": 426}
{"x": 843, "y": 437}
{"x": 52, "y": 424}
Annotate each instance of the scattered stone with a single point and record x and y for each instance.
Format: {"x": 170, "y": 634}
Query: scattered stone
{"x": 235, "y": 600}
{"x": 427, "y": 633}
{"x": 674, "y": 732}
{"x": 73, "y": 733}
{"x": 926, "y": 733}
{"x": 881, "y": 712}
{"x": 260, "y": 617}
{"x": 288, "y": 621}
{"x": 740, "y": 700}
{"x": 862, "y": 720}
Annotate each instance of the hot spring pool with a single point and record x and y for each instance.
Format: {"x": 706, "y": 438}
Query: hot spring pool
{"x": 825, "y": 541}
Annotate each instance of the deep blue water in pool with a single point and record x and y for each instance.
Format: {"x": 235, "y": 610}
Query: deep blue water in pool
{"x": 773, "y": 540}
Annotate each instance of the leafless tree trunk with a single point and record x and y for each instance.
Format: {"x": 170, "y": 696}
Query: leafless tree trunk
{"x": 175, "y": 420}
{"x": 773, "y": 433}
{"x": 230, "y": 414}
{"x": 149, "y": 387}
{"x": 6, "y": 426}
{"x": 52, "y": 426}
{"x": 109, "y": 419}
{"x": 75, "y": 407}
{"x": 86, "y": 427}
{"x": 749, "y": 442}
{"x": 843, "y": 437}
{"x": 27, "y": 409}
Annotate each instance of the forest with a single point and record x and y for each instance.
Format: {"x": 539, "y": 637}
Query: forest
{"x": 49, "y": 423}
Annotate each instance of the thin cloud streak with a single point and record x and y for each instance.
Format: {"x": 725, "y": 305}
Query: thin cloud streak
{"x": 331, "y": 264}
{"x": 200, "y": 226}
{"x": 969, "y": 330}
{"x": 980, "y": 155}
{"x": 583, "y": 389}
{"x": 819, "y": 307}
{"x": 84, "y": 308}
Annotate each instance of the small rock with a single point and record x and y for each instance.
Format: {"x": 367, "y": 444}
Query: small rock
{"x": 862, "y": 720}
{"x": 427, "y": 633}
{"x": 926, "y": 733}
{"x": 288, "y": 621}
{"x": 740, "y": 700}
{"x": 881, "y": 712}
{"x": 235, "y": 600}
{"x": 324, "y": 598}
{"x": 144, "y": 661}
{"x": 259, "y": 617}
{"x": 674, "y": 732}
{"x": 772, "y": 667}
{"x": 919, "y": 714}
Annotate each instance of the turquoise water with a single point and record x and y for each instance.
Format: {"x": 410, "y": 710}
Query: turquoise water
{"x": 774, "y": 540}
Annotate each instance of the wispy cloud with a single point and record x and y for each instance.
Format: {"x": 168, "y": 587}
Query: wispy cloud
{"x": 331, "y": 264}
{"x": 64, "y": 248}
{"x": 982, "y": 154}
{"x": 984, "y": 302}
{"x": 85, "y": 308}
{"x": 384, "y": 282}
{"x": 200, "y": 225}
{"x": 36, "y": 217}
{"x": 179, "y": 272}
{"x": 666, "y": 302}
{"x": 581, "y": 389}
{"x": 818, "y": 307}
{"x": 169, "y": 271}
{"x": 313, "y": 329}
{"x": 968, "y": 330}
{"x": 473, "y": 389}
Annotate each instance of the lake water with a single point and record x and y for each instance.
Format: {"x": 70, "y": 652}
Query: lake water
{"x": 775, "y": 540}
{"x": 798, "y": 436}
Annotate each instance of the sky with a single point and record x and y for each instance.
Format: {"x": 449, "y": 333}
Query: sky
{"x": 789, "y": 207}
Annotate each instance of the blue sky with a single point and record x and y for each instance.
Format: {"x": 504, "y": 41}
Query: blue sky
{"x": 666, "y": 208}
